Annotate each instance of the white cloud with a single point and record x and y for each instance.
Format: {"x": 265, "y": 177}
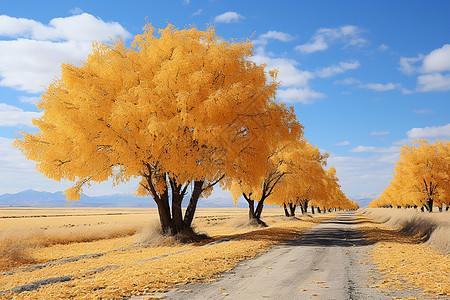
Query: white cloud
{"x": 379, "y": 87}
{"x": 433, "y": 83}
{"x": 76, "y": 11}
{"x": 228, "y": 17}
{"x": 405, "y": 91}
{"x": 336, "y": 69}
{"x": 407, "y": 64}
{"x": 277, "y": 35}
{"x": 294, "y": 81}
{"x": 344, "y": 143}
{"x": 199, "y": 11}
{"x": 30, "y": 62}
{"x": 424, "y": 111}
{"x": 383, "y": 47}
{"x": 437, "y": 61}
{"x": 347, "y": 81}
{"x": 83, "y": 27}
{"x": 30, "y": 65}
{"x": 13, "y": 116}
{"x": 289, "y": 74}
{"x": 263, "y": 39}
{"x": 317, "y": 44}
{"x": 28, "y": 99}
{"x": 429, "y": 132}
{"x": 348, "y": 35}
{"x": 379, "y": 132}
{"x": 301, "y": 95}
{"x": 364, "y": 175}
{"x": 375, "y": 149}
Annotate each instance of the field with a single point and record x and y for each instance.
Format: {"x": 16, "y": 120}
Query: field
{"x": 411, "y": 248}
{"x": 111, "y": 253}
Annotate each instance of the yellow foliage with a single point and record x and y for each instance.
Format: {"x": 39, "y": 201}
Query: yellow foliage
{"x": 187, "y": 103}
{"x": 422, "y": 177}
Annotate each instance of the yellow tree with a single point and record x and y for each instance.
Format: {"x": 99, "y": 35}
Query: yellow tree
{"x": 305, "y": 163}
{"x": 276, "y": 166}
{"x": 423, "y": 169}
{"x": 181, "y": 109}
{"x": 422, "y": 177}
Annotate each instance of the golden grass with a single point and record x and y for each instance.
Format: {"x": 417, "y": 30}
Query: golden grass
{"x": 405, "y": 260}
{"x": 130, "y": 266}
{"x": 432, "y": 228}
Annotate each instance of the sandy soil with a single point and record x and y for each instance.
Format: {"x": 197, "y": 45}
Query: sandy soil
{"x": 328, "y": 262}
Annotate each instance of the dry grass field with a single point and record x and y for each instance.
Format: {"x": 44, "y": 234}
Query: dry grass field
{"x": 411, "y": 248}
{"x": 85, "y": 253}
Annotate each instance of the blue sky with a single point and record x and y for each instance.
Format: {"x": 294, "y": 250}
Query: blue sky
{"x": 364, "y": 77}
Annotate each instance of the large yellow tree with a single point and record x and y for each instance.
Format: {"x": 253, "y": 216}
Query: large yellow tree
{"x": 421, "y": 179}
{"x": 179, "y": 108}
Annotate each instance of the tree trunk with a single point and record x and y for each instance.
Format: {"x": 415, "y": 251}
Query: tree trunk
{"x": 164, "y": 213}
{"x": 285, "y": 210}
{"x": 312, "y": 209}
{"x": 301, "y": 208}
{"x": 192, "y": 206}
{"x": 430, "y": 205}
{"x": 177, "y": 213}
{"x": 318, "y": 210}
{"x": 259, "y": 208}
{"x": 292, "y": 209}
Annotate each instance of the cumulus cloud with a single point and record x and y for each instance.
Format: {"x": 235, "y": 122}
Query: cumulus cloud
{"x": 429, "y": 132}
{"x": 294, "y": 81}
{"x": 228, "y": 17}
{"x": 383, "y": 47}
{"x": 337, "y": 69}
{"x": 263, "y": 39}
{"x": 348, "y": 35}
{"x": 364, "y": 175}
{"x": 433, "y": 83}
{"x": 437, "y": 61}
{"x": 13, "y": 116}
{"x": 375, "y": 149}
{"x": 30, "y": 60}
{"x": 76, "y": 11}
{"x": 299, "y": 95}
{"x": 347, "y": 81}
{"x": 289, "y": 73}
{"x": 407, "y": 64}
{"x": 379, "y": 87}
{"x": 83, "y": 27}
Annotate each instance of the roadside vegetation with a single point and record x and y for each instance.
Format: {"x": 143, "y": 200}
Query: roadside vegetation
{"x": 143, "y": 262}
{"x": 411, "y": 248}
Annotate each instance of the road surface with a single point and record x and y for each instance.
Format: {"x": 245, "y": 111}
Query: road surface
{"x": 325, "y": 263}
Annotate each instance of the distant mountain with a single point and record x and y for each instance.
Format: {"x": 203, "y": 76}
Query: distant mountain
{"x": 363, "y": 201}
{"x": 32, "y": 198}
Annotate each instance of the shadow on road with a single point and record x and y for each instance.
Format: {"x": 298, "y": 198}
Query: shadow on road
{"x": 331, "y": 237}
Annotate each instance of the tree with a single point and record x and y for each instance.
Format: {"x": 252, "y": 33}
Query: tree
{"x": 305, "y": 163}
{"x": 183, "y": 109}
{"x": 421, "y": 177}
{"x": 276, "y": 165}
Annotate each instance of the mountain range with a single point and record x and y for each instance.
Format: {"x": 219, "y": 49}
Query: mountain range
{"x": 33, "y": 198}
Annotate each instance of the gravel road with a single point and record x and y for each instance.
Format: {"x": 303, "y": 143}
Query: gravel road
{"x": 324, "y": 264}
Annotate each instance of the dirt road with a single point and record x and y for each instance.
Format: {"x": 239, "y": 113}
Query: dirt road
{"x": 323, "y": 264}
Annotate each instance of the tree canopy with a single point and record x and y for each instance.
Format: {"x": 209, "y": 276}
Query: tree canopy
{"x": 182, "y": 108}
{"x": 421, "y": 178}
